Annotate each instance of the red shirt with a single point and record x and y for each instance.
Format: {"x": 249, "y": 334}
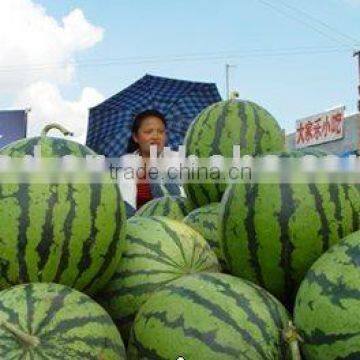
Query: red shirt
{"x": 143, "y": 192}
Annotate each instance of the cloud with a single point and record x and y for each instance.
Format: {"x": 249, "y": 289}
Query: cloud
{"x": 48, "y": 106}
{"x": 37, "y": 60}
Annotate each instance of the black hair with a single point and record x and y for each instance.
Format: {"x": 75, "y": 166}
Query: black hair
{"x": 138, "y": 119}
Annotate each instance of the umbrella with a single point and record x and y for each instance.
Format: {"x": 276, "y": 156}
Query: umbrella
{"x": 180, "y": 101}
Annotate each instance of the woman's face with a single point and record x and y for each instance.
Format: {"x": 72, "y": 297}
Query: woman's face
{"x": 151, "y": 132}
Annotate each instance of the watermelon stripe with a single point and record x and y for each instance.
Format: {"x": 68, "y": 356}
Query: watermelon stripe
{"x": 288, "y": 209}
{"x": 128, "y": 273}
{"x": 243, "y": 124}
{"x": 318, "y": 337}
{"x": 154, "y": 248}
{"x": 191, "y": 131}
{"x": 51, "y": 354}
{"x": 154, "y": 257}
{"x": 95, "y": 201}
{"x": 113, "y": 248}
{"x": 207, "y": 338}
{"x": 173, "y": 235}
{"x": 242, "y": 302}
{"x": 202, "y": 258}
{"x": 335, "y": 198}
{"x": 275, "y": 315}
{"x": 26, "y": 146}
{"x": 13, "y": 316}
{"x": 219, "y": 126}
{"x": 196, "y": 192}
{"x": 30, "y": 308}
{"x": 142, "y": 352}
{"x": 92, "y": 341}
{"x": 259, "y": 132}
{"x": 43, "y": 248}
{"x": 65, "y": 253}
{"x": 355, "y": 213}
{"x": 63, "y": 326}
{"x": 56, "y": 305}
{"x": 253, "y": 246}
{"x": 70, "y": 353}
{"x": 325, "y": 229}
{"x": 136, "y": 290}
{"x": 218, "y": 312}
{"x": 182, "y": 207}
{"x": 337, "y": 292}
{"x": 23, "y": 197}
{"x": 226, "y": 209}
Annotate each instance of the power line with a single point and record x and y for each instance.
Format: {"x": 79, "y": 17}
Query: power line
{"x": 204, "y": 57}
{"x": 353, "y": 40}
{"x": 330, "y": 37}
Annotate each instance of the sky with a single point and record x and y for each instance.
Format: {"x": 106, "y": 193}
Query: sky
{"x": 60, "y": 58}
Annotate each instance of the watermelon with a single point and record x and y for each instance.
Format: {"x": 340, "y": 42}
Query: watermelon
{"x": 51, "y": 147}
{"x": 157, "y": 250}
{"x": 209, "y": 316}
{"x": 327, "y": 311}
{"x": 51, "y": 321}
{"x": 221, "y": 126}
{"x": 272, "y": 233}
{"x": 205, "y": 221}
{"x": 64, "y": 232}
{"x": 173, "y": 207}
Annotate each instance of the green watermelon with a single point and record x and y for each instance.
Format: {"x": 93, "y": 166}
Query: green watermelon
{"x": 209, "y": 316}
{"x": 173, "y": 207}
{"x": 221, "y": 126}
{"x": 157, "y": 250}
{"x": 205, "y": 221}
{"x": 50, "y": 146}
{"x": 273, "y": 233}
{"x": 327, "y": 311}
{"x": 51, "y": 321}
{"x": 62, "y": 231}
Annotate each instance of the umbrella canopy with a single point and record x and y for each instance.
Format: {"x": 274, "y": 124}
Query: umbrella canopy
{"x": 180, "y": 101}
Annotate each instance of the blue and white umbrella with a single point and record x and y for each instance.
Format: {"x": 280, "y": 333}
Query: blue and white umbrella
{"x": 180, "y": 101}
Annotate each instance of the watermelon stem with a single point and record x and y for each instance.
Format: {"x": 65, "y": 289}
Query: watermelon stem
{"x": 59, "y": 127}
{"x": 292, "y": 338}
{"x": 27, "y": 339}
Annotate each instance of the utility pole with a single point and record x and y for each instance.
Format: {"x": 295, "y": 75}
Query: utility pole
{"x": 357, "y": 53}
{"x": 227, "y": 76}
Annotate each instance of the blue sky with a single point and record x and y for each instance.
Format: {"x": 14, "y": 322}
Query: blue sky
{"x": 251, "y": 34}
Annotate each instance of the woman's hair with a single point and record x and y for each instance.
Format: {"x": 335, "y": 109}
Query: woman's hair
{"x": 138, "y": 119}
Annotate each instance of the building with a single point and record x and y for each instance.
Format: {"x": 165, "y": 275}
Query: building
{"x": 348, "y": 144}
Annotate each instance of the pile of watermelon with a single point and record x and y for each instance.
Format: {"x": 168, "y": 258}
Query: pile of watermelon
{"x": 231, "y": 271}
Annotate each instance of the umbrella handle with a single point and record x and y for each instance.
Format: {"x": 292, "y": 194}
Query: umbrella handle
{"x": 59, "y": 127}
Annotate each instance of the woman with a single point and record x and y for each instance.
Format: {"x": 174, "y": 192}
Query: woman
{"x": 149, "y": 128}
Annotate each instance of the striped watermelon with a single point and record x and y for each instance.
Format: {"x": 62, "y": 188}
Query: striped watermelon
{"x": 205, "y": 221}
{"x": 157, "y": 250}
{"x": 51, "y": 321}
{"x": 173, "y": 207}
{"x": 62, "y": 232}
{"x": 50, "y": 146}
{"x": 209, "y": 316}
{"x": 218, "y": 128}
{"x": 273, "y": 233}
{"x": 327, "y": 311}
